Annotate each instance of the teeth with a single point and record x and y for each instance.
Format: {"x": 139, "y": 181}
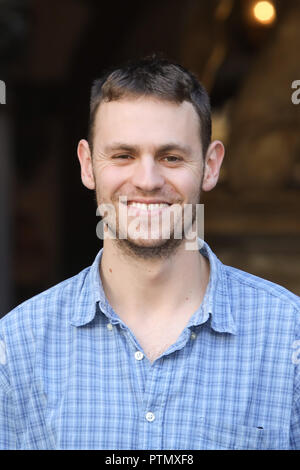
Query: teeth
{"x": 148, "y": 207}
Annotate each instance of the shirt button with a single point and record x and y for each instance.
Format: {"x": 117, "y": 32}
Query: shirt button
{"x": 109, "y": 326}
{"x": 150, "y": 416}
{"x": 193, "y": 335}
{"x": 138, "y": 355}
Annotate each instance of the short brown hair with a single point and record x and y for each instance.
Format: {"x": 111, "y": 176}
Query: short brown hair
{"x": 152, "y": 76}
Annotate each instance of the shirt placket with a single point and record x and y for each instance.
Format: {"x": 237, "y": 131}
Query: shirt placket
{"x": 152, "y": 385}
{"x": 155, "y": 397}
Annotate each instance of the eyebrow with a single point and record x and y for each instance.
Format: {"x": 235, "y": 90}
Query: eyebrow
{"x": 135, "y": 148}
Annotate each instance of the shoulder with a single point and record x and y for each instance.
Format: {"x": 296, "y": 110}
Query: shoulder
{"x": 242, "y": 286}
{"x": 49, "y": 304}
{"x": 253, "y": 287}
{"x": 27, "y": 330}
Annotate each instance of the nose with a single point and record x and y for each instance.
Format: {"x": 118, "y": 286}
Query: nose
{"x": 147, "y": 175}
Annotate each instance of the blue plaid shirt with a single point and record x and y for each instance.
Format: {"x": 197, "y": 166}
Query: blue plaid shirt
{"x": 73, "y": 375}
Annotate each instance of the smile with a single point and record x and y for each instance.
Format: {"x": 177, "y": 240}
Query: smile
{"x": 148, "y": 207}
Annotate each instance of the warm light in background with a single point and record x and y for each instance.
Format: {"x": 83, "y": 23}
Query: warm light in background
{"x": 264, "y": 12}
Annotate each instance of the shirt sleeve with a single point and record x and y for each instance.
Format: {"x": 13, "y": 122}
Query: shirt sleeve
{"x": 295, "y": 416}
{"x": 7, "y": 424}
{"x": 8, "y": 438}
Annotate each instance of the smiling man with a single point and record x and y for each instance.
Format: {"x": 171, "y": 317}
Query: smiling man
{"x": 155, "y": 346}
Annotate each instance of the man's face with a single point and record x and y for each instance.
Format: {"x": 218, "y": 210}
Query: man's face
{"x": 149, "y": 151}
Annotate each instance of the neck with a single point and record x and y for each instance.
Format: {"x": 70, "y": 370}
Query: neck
{"x": 153, "y": 287}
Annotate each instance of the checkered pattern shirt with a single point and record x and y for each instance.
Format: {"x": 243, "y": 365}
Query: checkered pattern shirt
{"x": 73, "y": 375}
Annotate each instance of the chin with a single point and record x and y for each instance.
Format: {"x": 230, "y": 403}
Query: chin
{"x": 150, "y": 248}
{"x": 147, "y": 242}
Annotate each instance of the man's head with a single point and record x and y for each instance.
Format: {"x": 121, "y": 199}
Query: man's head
{"x": 149, "y": 140}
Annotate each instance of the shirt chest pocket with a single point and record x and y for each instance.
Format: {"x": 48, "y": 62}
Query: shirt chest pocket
{"x": 240, "y": 437}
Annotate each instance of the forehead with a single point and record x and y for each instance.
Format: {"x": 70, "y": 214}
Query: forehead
{"x": 141, "y": 120}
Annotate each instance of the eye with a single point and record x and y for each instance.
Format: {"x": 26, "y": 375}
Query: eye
{"x": 122, "y": 157}
{"x": 172, "y": 159}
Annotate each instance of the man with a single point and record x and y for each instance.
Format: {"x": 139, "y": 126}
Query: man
{"x": 156, "y": 345}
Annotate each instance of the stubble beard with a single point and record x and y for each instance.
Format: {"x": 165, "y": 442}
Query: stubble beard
{"x": 161, "y": 250}
{"x": 139, "y": 249}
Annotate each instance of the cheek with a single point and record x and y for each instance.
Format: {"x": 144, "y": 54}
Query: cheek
{"x": 109, "y": 179}
{"x": 190, "y": 182}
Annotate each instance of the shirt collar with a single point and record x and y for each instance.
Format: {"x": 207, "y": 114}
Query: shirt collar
{"x": 216, "y": 302}
{"x": 88, "y": 294}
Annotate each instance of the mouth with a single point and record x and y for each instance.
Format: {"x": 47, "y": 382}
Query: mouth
{"x": 146, "y": 208}
{"x": 148, "y": 205}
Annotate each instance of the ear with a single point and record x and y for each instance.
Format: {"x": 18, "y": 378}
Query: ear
{"x": 85, "y": 159}
{"x": 213, "y": 161}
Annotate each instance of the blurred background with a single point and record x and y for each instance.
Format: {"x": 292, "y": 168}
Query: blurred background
{"x": 245, "y": 52}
